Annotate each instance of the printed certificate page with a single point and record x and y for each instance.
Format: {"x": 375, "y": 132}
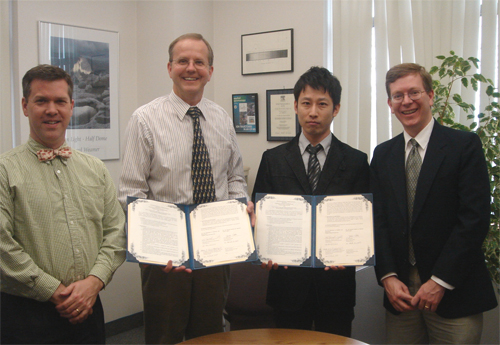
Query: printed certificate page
{"x": 283, "y": 229}
{"x": 344, "y": 230}
{"x": 221, "y": 233}
{"x": 157, "y": 232}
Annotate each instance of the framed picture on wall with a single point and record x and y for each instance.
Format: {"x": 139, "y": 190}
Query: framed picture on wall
{"x": 282, "y": 122}
{"x": 91, "y": 57}
{"x": 246, "y": 113}
{"x": 267, "y": 52}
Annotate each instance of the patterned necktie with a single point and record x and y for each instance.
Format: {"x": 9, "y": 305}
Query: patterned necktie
{"x": 201, "y": 170}
{"x": 413, "y": 165}
{"x": 49, "y": 154}
{"x": 313, "y": 167}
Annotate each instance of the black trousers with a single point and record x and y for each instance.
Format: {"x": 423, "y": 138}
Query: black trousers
{"x": 181, "y": 305}
{"x": 26, "y": 321}
{"x": 317, "y": 316}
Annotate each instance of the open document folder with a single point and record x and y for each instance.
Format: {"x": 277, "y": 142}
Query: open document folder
{"x": 194, "y": 236}
{"x": 315, "y": 231}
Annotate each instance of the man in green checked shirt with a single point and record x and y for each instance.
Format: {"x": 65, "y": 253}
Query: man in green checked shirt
{"x": 61, "y": 226}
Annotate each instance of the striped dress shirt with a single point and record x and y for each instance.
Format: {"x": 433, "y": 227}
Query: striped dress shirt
{"x": 158, "y": 153}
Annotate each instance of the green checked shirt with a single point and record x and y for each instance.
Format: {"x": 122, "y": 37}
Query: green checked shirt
{"x": 60, "y": 221}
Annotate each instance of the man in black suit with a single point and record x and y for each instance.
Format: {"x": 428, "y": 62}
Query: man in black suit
{"x": 301, "y": 296}
{"x": 429, "y": 257}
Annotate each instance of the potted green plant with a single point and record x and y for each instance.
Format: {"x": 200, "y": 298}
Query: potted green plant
{"x": 485, "y": 124}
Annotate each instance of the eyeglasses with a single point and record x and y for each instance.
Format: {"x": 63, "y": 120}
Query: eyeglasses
{"x": 185, "y": 62}
{"x": 414, "y": 96}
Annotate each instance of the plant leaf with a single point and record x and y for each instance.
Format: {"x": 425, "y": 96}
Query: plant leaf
{"x": 457, "y": 98}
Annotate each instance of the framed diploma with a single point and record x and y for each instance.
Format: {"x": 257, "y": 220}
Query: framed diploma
{"x": 246, "y": 113}
{"x": 267, "y": 52}
{"x": 282, "y": 122}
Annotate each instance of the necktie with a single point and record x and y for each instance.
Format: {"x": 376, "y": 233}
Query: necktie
{"x": 313, "y": 167}
{"x": 413, "y": 165}
{"x": 49, "y": 154}
{"x": 201, "y": 170}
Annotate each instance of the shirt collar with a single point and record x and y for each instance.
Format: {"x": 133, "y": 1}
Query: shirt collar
{"x": 422, "y": 137}
{"x": 182, "y": 107}
{"x": 303, "y": 143}
{"x": 34, "y": 146}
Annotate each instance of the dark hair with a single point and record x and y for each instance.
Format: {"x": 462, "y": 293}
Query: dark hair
{"x": 192, "y": 36}
{"x": 404, "y": 69}
{"x": 47, "y": 73}
{"x": 319, "y": 78}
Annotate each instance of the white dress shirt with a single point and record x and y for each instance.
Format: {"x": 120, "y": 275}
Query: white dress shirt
{"x": 158, "y": 154}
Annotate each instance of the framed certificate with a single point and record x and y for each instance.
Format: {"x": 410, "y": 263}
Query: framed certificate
{"x": 282, "y": 122}
{"x": 246, "y": 113}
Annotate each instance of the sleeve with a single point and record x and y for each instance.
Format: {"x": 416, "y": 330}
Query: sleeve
{"x": 460, "y": 252}
{"x": 362, "y": 180}
{"x": 136, "y": 161}
{"x": 263, "y": 181}
{"x": 383, "y": 252}
{"x": 112, "y": 252}
{"x": 237, "y": 186}
{"x": 20, "y": 275}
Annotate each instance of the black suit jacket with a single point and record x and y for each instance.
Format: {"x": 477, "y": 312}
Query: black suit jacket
{"x": 450, "y": 218}
{"x": 282, "y": 171}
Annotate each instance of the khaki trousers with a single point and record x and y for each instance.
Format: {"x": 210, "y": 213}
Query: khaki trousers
{"x": 425, "y": 327}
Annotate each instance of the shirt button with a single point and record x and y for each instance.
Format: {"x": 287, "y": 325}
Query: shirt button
{"x": 58, "y": 171}
{"x": 71, "y": 222}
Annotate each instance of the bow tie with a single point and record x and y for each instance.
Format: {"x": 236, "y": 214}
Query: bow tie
{"x": 49, "y": 154}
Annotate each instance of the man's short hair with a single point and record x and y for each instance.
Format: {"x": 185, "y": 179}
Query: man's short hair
{"x": 192, "y": 36}
{"x": 47, "y": 73}
{"x": 404, "y": 69}
{"x": 319, "y": 78}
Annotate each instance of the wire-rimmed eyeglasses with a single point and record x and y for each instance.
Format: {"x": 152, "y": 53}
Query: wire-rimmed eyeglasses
{"x": 185, "y": 62}
{"x": 414, "y": 95}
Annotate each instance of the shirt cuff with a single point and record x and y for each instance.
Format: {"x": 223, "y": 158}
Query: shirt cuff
{"x": 388, "y": 275}
{"x": 44, "y": 288}
{"x": 103, "y": 273}
{"x": 442, "y": 283}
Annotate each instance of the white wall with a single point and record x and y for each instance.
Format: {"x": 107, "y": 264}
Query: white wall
{"x": 160, "y": 23}
{"x": 235, "y": 18}
{"x": 5, "y": 102}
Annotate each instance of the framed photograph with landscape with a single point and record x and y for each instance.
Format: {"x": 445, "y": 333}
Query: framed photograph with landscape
{"x": 91, "y": 57}
{"x": 267, "y": 52}
{"x": 282, "y": 122}
{"x": 246, "y": 113}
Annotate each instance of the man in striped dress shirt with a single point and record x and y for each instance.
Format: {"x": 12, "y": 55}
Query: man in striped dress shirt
{"x": 179, "y": 303}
